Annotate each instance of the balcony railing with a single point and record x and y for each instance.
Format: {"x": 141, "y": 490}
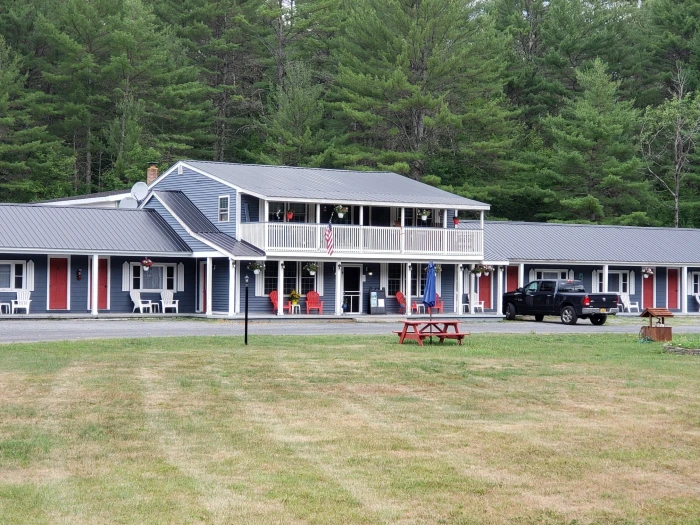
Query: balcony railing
{"x": 287, "y": 237}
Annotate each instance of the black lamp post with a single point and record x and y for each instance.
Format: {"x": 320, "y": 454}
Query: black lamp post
{"x": 246, "y": 309}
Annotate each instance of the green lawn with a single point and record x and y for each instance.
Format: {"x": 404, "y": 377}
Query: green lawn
{"x": 505, "y": 429}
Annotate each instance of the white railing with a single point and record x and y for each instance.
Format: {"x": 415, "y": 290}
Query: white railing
{"x": 349, "y": 239}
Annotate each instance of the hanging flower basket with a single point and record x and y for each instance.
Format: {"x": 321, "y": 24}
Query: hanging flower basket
{"x": 255, "y": 267}
{"x": 146, "y": 263}
{"x": 312, "y": 268}
{"x": 424, "y": 214}
{"x": 340, "y": 210}
{"x": 481, "y": 268}
{"x": 647, "y": 272}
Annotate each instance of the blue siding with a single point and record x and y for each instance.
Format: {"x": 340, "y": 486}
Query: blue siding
{"x": 38, "y": 296}
{"x": 193, "y": 243}
{"x": 253, "y": 207}
{"x": 204, "y": 193}
{"x": 447, "y": 279}
{"x": 220, "y": 280}
{"x": 79, "y": 290}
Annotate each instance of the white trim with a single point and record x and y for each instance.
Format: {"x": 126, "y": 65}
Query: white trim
{"x": 563, "y": 273}
{"x": 48, "y": 282}
{"x": 320, "y": 279}
{"x": 237, "y": 211}
{"x": 232, "y": 287}
{"x": 180, "y": 277}
{"x": 165, "y": 277}
{"x": 109, "y": 282}
{"x": 12, "y": 264}
{"x": 678, "y": 295}
{"x": 94, "y": 264}
{"x": 210, "y": 282}
{"x": 361, "y": 283}
{"x": 29, "y": 269}
{"x": 238, "y": 281}
{"x": 126, "y": 277}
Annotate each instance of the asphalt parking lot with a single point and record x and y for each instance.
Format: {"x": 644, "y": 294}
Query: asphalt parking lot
{"x": 34, "y": 330}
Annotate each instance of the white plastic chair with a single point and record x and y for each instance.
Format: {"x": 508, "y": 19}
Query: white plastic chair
{"x": 627, "y": 304}
{"x": 139, "y": 303}
{"x": 697, "y": 298}
{"x": 168, "y": 302}
{"x": 22, "y": 301}
{"x": 479, "y": 305}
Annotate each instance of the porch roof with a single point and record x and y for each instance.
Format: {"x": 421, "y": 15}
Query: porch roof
{"x": 197, "y": 225}
{"x": 586, "y": 243}
{"x": 334, "y": 186}
{"x": 28, "y": 228}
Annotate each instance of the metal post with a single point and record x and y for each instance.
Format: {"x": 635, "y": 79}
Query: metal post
{"x": 246, "y": 309}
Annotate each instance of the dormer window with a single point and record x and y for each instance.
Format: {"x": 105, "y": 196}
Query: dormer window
{"x": 224, "y": 208}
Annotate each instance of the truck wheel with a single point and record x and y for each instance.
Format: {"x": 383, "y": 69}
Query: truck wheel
{"x": 539, "y": 317}
{"x": 568, "y": 315}
{"x": 510, "y": 312}
{"x": 598, "y": 319}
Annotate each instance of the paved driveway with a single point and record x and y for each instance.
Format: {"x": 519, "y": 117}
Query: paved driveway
{"x": 72, "y": 329}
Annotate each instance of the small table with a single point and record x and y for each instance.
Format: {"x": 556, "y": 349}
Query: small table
{"x": 420, "y": 308}
{"x": 155, "y": 308}
{"x": 296, "y": 308}
{"x": 419, "y": 330}
{"x": 5, "y": 308}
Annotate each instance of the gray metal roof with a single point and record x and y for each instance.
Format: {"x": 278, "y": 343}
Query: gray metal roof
{"x": 523, "y": 241}
{"x": 49, "y": 229}
{"x": 193, "y": 219}
{"x": 186, "y": 211}
{"x": 335, "y": 186}
{"x": 89, "y": 196}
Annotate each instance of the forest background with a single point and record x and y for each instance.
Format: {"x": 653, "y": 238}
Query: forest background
{"x": 558, "y": 110}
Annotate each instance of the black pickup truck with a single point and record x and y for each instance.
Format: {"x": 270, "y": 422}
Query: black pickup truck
{"x": 567, "y": 299}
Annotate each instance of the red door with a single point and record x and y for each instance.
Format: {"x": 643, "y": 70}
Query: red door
{"x": 511, "y": 278}
{"x": 648, "y": 292}
{"x": 485, "y": 290}
{"x": 58, "y": 284}
{"x": 101, "y": 286}
{"x": 672, "y": 284}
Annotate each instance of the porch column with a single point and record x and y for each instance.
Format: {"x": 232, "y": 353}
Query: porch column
{"x": 605, "y": 278}
{"x": 444, "y": 231}
{"x": 210, "y": 275}
{"x": 338, "y": 288}
{"x": 684, "y": 290}
{"x": 362, "y": 230}
{"x": 402, "y": 235}
{"x": 280, "y": 288}
{"x": 459, "y": 278}
{"x": 408, "y": 289}
{"x": 499, "y": 290}
{"x": 95, "y": 279}
{"x": 318, "y": 214}
{"x": 472, "y": 286}
{"x": 237, "y": 300}
{"x": 521, "y": 275}
{"x": 265, "y": 224}
{"x": 481, "y": 220}
{"x": 231, "y": 287}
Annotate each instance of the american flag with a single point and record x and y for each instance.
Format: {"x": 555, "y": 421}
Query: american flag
{"x": 329, "y": 237}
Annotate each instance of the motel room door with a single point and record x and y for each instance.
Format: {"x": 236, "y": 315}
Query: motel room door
{"x": 58, "y": 284}
{"x": 672, "y": 288}
{"x": 352, "y": 288}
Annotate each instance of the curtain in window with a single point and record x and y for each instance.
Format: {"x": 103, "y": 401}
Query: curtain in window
{"x": 5, "y": 276}
{"x": 153, "y": 279}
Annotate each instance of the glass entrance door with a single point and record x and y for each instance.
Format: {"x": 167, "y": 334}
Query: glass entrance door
{"x": 351, "y": 288}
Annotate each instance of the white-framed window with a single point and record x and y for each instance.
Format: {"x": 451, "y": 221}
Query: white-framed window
{"x": 224, "y": 207}
{"x": 278, "y": 212}
{"x": 618, "y": 281}
{"x": 159, "y": 277}
{"x": 12, "y": 275}
{"x": 294, "y": 278}
{"x": 694, "y": 283}
{"x": 394, "y": 278}
{"x": 542, "y": 273}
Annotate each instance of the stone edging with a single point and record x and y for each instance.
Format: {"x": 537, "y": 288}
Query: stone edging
{"x": 684, "y": 351}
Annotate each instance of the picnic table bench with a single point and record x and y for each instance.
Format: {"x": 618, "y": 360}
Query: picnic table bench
{"x": 420, "y": 330}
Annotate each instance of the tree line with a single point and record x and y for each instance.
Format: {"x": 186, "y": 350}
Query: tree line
{"x": 549, "y": 110}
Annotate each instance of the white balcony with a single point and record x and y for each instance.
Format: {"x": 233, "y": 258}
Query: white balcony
{"x": 289, "y": 238}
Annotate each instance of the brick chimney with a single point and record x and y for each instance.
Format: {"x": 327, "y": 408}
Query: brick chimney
{"x": 151, "y": 173}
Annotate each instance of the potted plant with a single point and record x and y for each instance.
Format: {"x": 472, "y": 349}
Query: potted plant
{"x": 487, "y": 269}
{"x": 438, "y": 268}
{"x": 424, "y": 214}
{"x": 345, "y": 305}
{"x": 478, "y": 269}
{"x": 311, "y": 267}
{"x": 290, "y": 214}
{"x": 340, "y": 210}
{"x": 456, "y": 220}
{"x": 146, "y": 263}
{"x": 255, "y": 267}
{"x": 294, "y": 296}
{"x": 647, "y": 272}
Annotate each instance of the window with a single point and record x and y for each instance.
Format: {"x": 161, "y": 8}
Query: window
{"x": 395, "y": 278}
{"x": 618, "y": 282}
{"x": 158, "y": 278}
{"x": 695, "y": 283}
{"x": 277, "y": 212}
{"x": 294, "y": 278}
{"x": 12, "y": 275}
{"x": 551, "y": 274}
{"x": 224, "y": 208}
{"x": 418, "y": 278}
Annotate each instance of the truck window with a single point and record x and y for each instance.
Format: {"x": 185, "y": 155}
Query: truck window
{"x": 547, "y": 286}
{"x": 572, "y": 287}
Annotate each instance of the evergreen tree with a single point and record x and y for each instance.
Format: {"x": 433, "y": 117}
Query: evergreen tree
{"x": 593, "y": 164}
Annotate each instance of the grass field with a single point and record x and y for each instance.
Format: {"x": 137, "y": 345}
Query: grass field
{"x": 505, "y": 429}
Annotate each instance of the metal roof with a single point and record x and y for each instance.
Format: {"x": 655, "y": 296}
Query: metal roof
{"x": 86, "y": 196}
{"x": 196, "y": 222}
{"x": 51, "y": 229}
{"x": 336, "y": 186}
{"x": 529, "y": 241}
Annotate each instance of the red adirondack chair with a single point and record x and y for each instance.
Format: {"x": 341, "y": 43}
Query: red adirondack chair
{"x": 312, "y": 302}
{"x": 439, "y": 304}
{"x": 285, "y": 306}
{"x": 401, "y": 298}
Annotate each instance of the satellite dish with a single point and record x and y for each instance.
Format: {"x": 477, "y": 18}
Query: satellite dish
{"x": 128, "y": 203}
{"x": 139, "y": 191}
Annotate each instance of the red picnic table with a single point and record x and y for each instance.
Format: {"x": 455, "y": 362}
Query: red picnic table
{"x": 419, "y": 330}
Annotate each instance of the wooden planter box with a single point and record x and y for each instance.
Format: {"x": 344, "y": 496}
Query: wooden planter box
{"x": 657, "y": 333}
